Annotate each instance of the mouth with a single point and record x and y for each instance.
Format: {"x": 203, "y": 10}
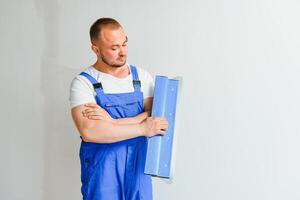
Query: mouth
{"x": 121, "y": 58}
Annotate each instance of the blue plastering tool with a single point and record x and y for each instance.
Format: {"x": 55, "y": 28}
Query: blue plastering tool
{"x": 159, "y": 150}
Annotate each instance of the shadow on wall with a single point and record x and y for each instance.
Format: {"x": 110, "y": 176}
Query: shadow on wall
{"x": 62, "y": 167}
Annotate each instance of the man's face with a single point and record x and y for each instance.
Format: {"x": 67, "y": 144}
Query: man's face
{"x": 112, "y": 46}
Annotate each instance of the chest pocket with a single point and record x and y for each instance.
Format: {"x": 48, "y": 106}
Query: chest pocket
{"x": 122, "y": 110}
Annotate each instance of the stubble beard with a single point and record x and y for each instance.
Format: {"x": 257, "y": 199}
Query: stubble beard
{"x": 114, "y": 65}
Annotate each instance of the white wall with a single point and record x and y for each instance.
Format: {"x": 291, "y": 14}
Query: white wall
{"x": 239, "y": 127}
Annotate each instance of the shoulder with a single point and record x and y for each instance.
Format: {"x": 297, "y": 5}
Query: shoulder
{"x": 80, "y": 83}
{"x": 146, "y": 82}
{"x": 81, "y": 90}
{"x": 144, "y": 74}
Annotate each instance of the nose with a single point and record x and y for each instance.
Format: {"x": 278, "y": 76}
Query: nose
{"x": 123, "y": 51}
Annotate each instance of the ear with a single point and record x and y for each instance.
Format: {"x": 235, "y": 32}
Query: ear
{"x": 95, "y": 49}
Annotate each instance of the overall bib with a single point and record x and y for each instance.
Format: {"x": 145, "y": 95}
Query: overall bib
{"x": 115, "y": 171}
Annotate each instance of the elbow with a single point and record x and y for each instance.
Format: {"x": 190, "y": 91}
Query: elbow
{"x": 85, "y": 135}
{"x": 85, "y": 131}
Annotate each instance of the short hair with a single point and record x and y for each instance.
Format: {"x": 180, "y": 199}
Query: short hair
{"x": 98, "y": 25}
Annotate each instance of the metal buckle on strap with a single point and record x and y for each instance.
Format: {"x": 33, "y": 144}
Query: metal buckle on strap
{"x": 97, "y": 85}
{"x": 135, "y": 82}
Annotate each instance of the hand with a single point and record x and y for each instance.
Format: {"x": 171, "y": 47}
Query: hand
{"x": 95, "y": 112}
{"x": 153, "y": 126}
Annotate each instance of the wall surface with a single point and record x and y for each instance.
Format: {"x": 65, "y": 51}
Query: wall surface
{"x": 239, "y": 130}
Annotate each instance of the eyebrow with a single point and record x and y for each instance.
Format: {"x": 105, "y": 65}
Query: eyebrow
{"x": 116, "y": 45}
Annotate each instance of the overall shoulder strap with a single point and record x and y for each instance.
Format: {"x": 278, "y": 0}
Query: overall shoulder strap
{"x": 97, "y": 86}
{"x": 136, "y": 82}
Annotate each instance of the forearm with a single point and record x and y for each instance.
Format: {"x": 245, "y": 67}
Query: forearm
{"x": 100, "y": 131}
{"x": 133, "y": 120}
{"x": 106, "y": 131}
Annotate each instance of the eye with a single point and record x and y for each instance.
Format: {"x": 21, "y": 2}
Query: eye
{"x": 124, "y": 45}
{"x": 113, "y": 49}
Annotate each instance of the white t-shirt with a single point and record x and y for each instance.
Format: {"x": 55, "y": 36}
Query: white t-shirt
{"x": 82, "y": 90}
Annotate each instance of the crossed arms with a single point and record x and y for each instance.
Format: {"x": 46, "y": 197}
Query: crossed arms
{"x": 95, "y": 124}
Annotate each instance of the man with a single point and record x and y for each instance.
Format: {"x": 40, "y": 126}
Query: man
{"x": 111, "y": 102}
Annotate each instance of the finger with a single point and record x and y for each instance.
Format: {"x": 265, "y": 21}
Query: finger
{"x": 88, "y": 110}
{"x": 160, "y": 118}
{"x": 92, "y": 110}
{"x": 164, "y": 130}
{"x": 160, "y": 121}
{"x": 162, "y": 127}
{"x": 162, "y": 124}
{"x": 161, "y": 132}
{"x": 93, "y": 113}
{"x": 156, "y": 118}
{"x": 91, "y": 105}
{"x": 94, "y": 117}
{"x": 97, "y": 108}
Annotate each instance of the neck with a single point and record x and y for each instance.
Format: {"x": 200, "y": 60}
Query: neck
{"x": 119, "y": 72}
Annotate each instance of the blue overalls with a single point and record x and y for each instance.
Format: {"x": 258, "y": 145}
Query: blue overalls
{"x": 115, "y": 171}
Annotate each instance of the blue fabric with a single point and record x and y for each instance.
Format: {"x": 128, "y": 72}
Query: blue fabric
{"x": 115, "y": 171}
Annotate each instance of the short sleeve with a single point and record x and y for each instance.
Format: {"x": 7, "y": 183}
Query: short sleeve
{"x": 81, "y": 92}
{"x": 147, "y": 83}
